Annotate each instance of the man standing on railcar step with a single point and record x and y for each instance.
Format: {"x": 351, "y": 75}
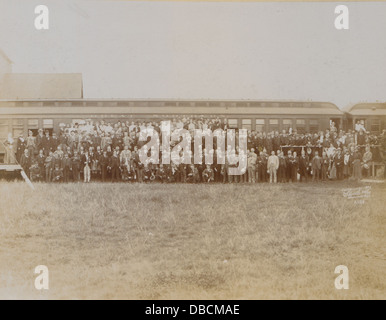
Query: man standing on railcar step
{"x": 20, "y": 147}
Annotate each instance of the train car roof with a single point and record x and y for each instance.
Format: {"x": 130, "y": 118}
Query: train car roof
{"x": 148, "y": 106}
{"x": 368, "y": 109}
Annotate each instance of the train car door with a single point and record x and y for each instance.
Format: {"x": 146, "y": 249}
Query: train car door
{"x": 336, "y": 122}
{"x": 33, "y": 125}
{"x": 360, "y": 123}
{"x": 4, "y": 126}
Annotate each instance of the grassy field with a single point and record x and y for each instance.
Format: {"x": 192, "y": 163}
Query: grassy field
{"x": 155, "y": 241}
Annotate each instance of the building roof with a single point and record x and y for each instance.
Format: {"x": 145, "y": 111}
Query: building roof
{"x": 20, "y": 86}
{"x": 368, "y": 109}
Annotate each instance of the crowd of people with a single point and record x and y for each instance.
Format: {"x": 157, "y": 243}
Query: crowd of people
{"x": 102, "y": 151}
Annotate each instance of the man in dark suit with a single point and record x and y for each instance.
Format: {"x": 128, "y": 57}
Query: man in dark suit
{"x": 104, "y": 162}
{"x": 57, "y": 174}
{"x": 262, "y": 166}
{"x": 54, "y": 142}
{"x": 339, "y": 162}
{"x": 46, "y": 144}
{"x": 75, "y": 164}
{"x": 25, "y": 162}
{"x": 282, "y": 167}
{"x": 303, "y": 164}
{"x": 114, "y": 165}
{"x": 138, "y": 165}
{"x": 39, "y": 140}
{"x": 20, "y": 147}
{"x": 294, "y": 167}
{"x": 41, "y": 161}
{"x": 288, "y": 160}
{"x": 66, "y": 165}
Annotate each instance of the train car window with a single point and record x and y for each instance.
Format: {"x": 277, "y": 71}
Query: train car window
{"x": 17, "y": 127}
{"x": 314, "y": 126}
{"x": 246, "y": 124}
{"x": 33, "y": 125}
{"x": 77, "y": 121}
{"x": 287, "y": 124}
{"x": 48, "y": 125}
{"x": 260, "y": 125}
{"x": 301, "y": 125}
{"x": 273, "y": 125}
{"x": 376, "y": 125}
{"x": 233, "y": 123}
{"x": 16, "y": 132}
{"x": 3, "y": 128}
{"x": 18, "y": 122}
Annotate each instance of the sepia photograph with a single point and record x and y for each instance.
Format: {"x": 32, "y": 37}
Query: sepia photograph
{"x": 192, "y": 150}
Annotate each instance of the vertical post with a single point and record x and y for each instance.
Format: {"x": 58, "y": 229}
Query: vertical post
{"x": 373, "y": 169}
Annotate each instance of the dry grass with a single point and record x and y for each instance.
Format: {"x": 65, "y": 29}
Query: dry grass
{"x": 156, "y": 241}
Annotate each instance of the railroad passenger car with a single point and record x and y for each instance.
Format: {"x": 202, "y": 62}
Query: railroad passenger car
{"x": 371, "y": 115}
{"x": 19, "y": 116}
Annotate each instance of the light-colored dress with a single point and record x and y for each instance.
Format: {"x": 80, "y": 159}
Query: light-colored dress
{"x": 10, "y": 151}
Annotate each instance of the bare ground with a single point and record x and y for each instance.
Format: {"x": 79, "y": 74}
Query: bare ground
{"x": 132, "y": 241}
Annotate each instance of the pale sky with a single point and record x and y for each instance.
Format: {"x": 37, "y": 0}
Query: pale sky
{"x": 173, "y": 50}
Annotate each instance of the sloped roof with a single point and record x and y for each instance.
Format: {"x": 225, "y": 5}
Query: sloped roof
{"x": 19, "y": 86}
{"x": 120, "y": 106}
{"x": 368, "y": 109}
